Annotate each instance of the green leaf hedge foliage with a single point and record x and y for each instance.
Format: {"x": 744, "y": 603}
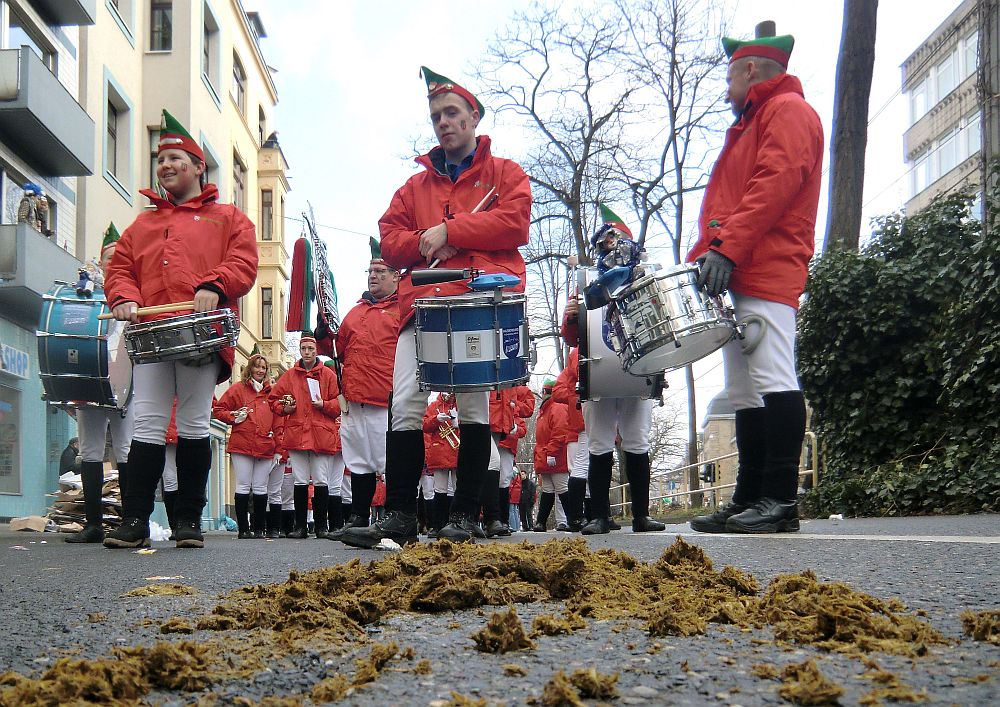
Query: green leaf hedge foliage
{"x": 899, "y": 356}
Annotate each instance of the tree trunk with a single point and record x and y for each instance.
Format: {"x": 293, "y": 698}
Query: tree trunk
{"x": 697, "y": 499}
{"x": 850, "y": 124}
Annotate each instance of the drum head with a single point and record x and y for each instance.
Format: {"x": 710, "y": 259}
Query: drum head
{"x": 119, "y": 365}
{"x": 692, "y": 347}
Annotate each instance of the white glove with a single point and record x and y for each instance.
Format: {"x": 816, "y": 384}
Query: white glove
{"x": 444, "y": 417}
{"x": 551, "y": 461}
{"x": 277, "y": 459}
{"x": 453, "y": 413}
{"x": 240, "y": 416}
{"x": 513, "y": 430}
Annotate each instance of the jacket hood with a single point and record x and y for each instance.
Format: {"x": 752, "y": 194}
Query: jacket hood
{"x": 435, "y": 159}
{"x": 762, "y": 92}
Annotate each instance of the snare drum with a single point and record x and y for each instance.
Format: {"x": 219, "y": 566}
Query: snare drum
{"x": 187, "y": 337}
{"x": 601, "y": 373}
{"x": 665, "y": 321}
{"x": 82, "y": 360}
{"x": 471, "y": 342}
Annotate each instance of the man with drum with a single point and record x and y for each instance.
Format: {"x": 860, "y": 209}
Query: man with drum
{"x": 93, "y": 424}
{"x": 608, "y": 418}
{"x": 757, "y": 228}
{"x": 190, "y": 247}
{"x": 366, "y": 347}
{"x": 430, "y": 219}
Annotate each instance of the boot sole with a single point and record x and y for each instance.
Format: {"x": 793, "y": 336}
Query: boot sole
{"x": 190, "y": 542}
{"x": 116, "y": 544}
{"x": 784, "y": 526}
{"x": 368, "y": 544}
{"x": 467, "y": 540}
{"x": 708, "y": 527}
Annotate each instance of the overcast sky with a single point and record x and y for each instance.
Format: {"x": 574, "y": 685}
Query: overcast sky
{"x": 351, "y": 102}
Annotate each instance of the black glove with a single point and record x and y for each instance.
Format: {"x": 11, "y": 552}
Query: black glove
{"x": 322, "y": 329}
{"x": 715, "y": 271}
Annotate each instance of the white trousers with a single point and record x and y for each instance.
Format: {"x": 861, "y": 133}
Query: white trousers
{"x": 607, "y": 418}
{"x": 92, "y": 425}
{"x": 507, "y": 468}
{"x": 274, "y": 479}
{"x": 770, "y": 367}
{"x": 444, "y": 481}
{"x": 362, "y": 434}
{"x": 427, "y": 487}
{"x": 554, "y": 483}
{"x": 288, "y": 492}
{"x": 169, "y": 478}
{"x": 346, "y": 496}
{"x": 409, "y": 404}
{"x": 155, "y": 386}
{"x": 324, "y": 469}
{"x": 251, "y": 473}
{"x": 578, "y": 457}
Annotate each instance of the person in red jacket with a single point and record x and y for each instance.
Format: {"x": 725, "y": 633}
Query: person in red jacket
{"x": 366, "y": 347}
{"x": 757, "y": 228}
{"x": 442, "y": 440}
{"x": 431, "y": 219}
{"x": 306, "y": 395}
{"x": 552, "y": 436}
{"x": 564, "y": 392}
{"x": 251, "y": 444}
{"x": 515, "y": 500}
{"x": 508, "y": 408}
{"x": 190, "y": 247}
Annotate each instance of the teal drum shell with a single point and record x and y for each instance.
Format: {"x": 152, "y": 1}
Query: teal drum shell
{"x": 82, "y": 360}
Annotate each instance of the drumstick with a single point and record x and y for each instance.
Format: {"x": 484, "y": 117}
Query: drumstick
{"x": 480, "y": 205}
{"x": 155, "y": 309}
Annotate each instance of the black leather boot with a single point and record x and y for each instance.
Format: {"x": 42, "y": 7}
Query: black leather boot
{"x": 440, "y": 509}
{"x": 459, "y": 529}
{"x": 335, "y": 514}
{"x": 274, "y": 521}
{"x": 599, "y": 478}
{"x": 260, "y": 515}
{"x": 92, "y": 475}
{"x": 321, "y": 510}
{"x": 573, "y": 503}
{"x": 145, "y": 467}
{"x": 300, "y": 493}
{"x": 122, "y": 477}
{"x": 716, "y": 522}
{"x": 194, "y": 464}
{"x": 397, "y": 526}
{"x": 489, "y": 501}
{"x": 473, "y": 463}
{"x": 751, "y": 449}
{"x": 362, "y": 493}
{"x": 545, "y": 502}
{"x": 169, "y": 505}
{"x": 287, "y": 523}
{"x": 786, "y": 426}
{"x": 242, "y": 510}
{"x": 503, "y": 498}
{"x": 404, "y": 462}
{"x": 767, "y": 515}
{"x": 638, "y": 483}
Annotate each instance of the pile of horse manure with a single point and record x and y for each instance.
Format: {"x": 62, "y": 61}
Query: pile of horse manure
{"x": 176, "y": 625}
{"x": 804, "y": 684}
{"x": 168, "y": 589}
{"x": 513, "y": 670}
{"x": 982, "y": 625}
{"x": 832, "y": 616}
{"x": 566, "y": 691}
{"x": 549, "y": 625}
{"x": 890, "y": 688}
{"x": 503, "y": 633}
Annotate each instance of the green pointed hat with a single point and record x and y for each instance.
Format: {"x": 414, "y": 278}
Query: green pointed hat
{"x": 307, "y": 335}
{"x": 549, "y": 384}
{"x": 765, "y": 44}
{"x": 111, "y": 237}
{"x": 610, "y": 218}
{"x": 255, "y": 351}
{"x": 173, "y": 136}
{"x": 438, "y": 84}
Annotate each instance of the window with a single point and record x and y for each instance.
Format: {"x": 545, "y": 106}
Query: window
{"x": 210, "y": 52}
{"x": 261, "y": 124}
{"x": 921, "y": 173}
{"x": 111, "y": 146}
{"x": 123, "y": 13}
{"x": 971, "y": 47}
{"x": 266, "y": 312}
{"x": 918, "y": 101}
{"x": 160, "y": 26}
{"x": 239, "y": 87}
{"x": 947, "y": 153}
{"x": 266, "y": 215}
{"x": 239, "y": 183}
{"x": 10, "y": 440}
{"x": 947, "y": 75}
{"x": 21, "y": 33}
{"x": 154, "y": 148}
{"x": 973, "y": 135}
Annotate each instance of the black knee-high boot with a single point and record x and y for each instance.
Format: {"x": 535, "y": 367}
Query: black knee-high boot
{"x": 194, "y": 464}
{"x": 404, "y": 461}
{"x": 274, "y": 520}
{"x": 242, "y": 510}
{"x": 122, "y": 477}
{"x": 260, "y": 515}
{"x": 572, "y": 502}
{"x": 288, "y": 523}
{"x": 169, "y": 505}
{"x": 92, "y": 475}
{"x": 786, "y": 426}
{"x": 321, "y": 510}
{"x": 751, "y": 447}
{"x": 638, "y": 482}
{"x": 489, "y": 499}
{"x": 442, "y": 507}
{"x": 300, "y": 493}
{"x": 145, "y": 467}
{"x": 545, "y": 503}
{"x": 503, "y": 500}
{"x": 473, "y": 463}
{"x": 599, "y": 478}
{"x": 362, "y": 493}
{"x": 335, "y": 514}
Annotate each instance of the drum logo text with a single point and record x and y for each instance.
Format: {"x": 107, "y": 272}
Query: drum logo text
{"x": 511, "y": 342}
{"x": 473, "y": 348}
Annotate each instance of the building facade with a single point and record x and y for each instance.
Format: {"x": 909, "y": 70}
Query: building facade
{"x": 943, "y": 144}
{"x": 46, "y": 147}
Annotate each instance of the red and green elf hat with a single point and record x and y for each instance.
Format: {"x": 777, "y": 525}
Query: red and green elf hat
{"x": 438, "y": 84}
{"x": 764, "y": 44}
{"x": 610, "y": 218}
{"x": 376, "y": 249}
{"x": 173, "y": 136}
{"x": 548, "y": 385}
{"x": 307, "y": 335}
{"x": 111, "y": 237}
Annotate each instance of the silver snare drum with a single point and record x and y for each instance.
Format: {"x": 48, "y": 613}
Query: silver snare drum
{"x": 664, "y": 321}
{"x": 187, "y": 337}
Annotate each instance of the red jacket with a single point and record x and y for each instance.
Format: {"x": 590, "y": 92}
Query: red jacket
{"x": 308, "y": 429}
{"x": 488, "y": 239}
{"x": 171, "y": 435}
{"x": 168, "y": 254}
{"x": 366, "y": 346}
{"x": 564, "y": 392}
{"x": 508, "y": 404}
{"x": 515, "y": 490}
{"x": 510, "y": 441}
{"x": 255, "y": 436}
{"x": 437, "y": 452}
{"x": 764, "y": 191}
{"x": 551, "y": 437}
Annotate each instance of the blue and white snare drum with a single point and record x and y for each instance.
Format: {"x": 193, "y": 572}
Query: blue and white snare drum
{"x": 82, "y": 360}
{"x": 471, "y": 342}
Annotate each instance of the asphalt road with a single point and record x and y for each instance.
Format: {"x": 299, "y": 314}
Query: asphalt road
{"x": 941, "y": 565}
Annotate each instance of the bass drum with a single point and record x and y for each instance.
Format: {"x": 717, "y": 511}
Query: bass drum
{"x": 601, "y": 373}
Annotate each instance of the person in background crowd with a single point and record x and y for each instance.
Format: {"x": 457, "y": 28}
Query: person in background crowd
{"x": 552, "y": 436}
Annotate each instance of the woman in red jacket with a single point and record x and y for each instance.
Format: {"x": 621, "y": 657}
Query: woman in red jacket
{"x": 189, "y": 248}
{"x": 578, "y": 456}
{"x": 251, "y": 444}
{"x": 552, "y": 436}
{"x": 307, "y": 396}
{"x": 441, "y": 442}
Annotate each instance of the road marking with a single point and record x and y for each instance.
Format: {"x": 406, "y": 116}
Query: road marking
{"x": 987, "y": 540}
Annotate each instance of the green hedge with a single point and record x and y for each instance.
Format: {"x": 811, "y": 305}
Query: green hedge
{"x": 899, "y": 356}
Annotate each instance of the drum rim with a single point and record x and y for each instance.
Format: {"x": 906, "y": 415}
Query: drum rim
{"x": 209, "y": 317}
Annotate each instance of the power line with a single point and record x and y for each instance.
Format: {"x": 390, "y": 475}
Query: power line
{"x": 332, "y": 228}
